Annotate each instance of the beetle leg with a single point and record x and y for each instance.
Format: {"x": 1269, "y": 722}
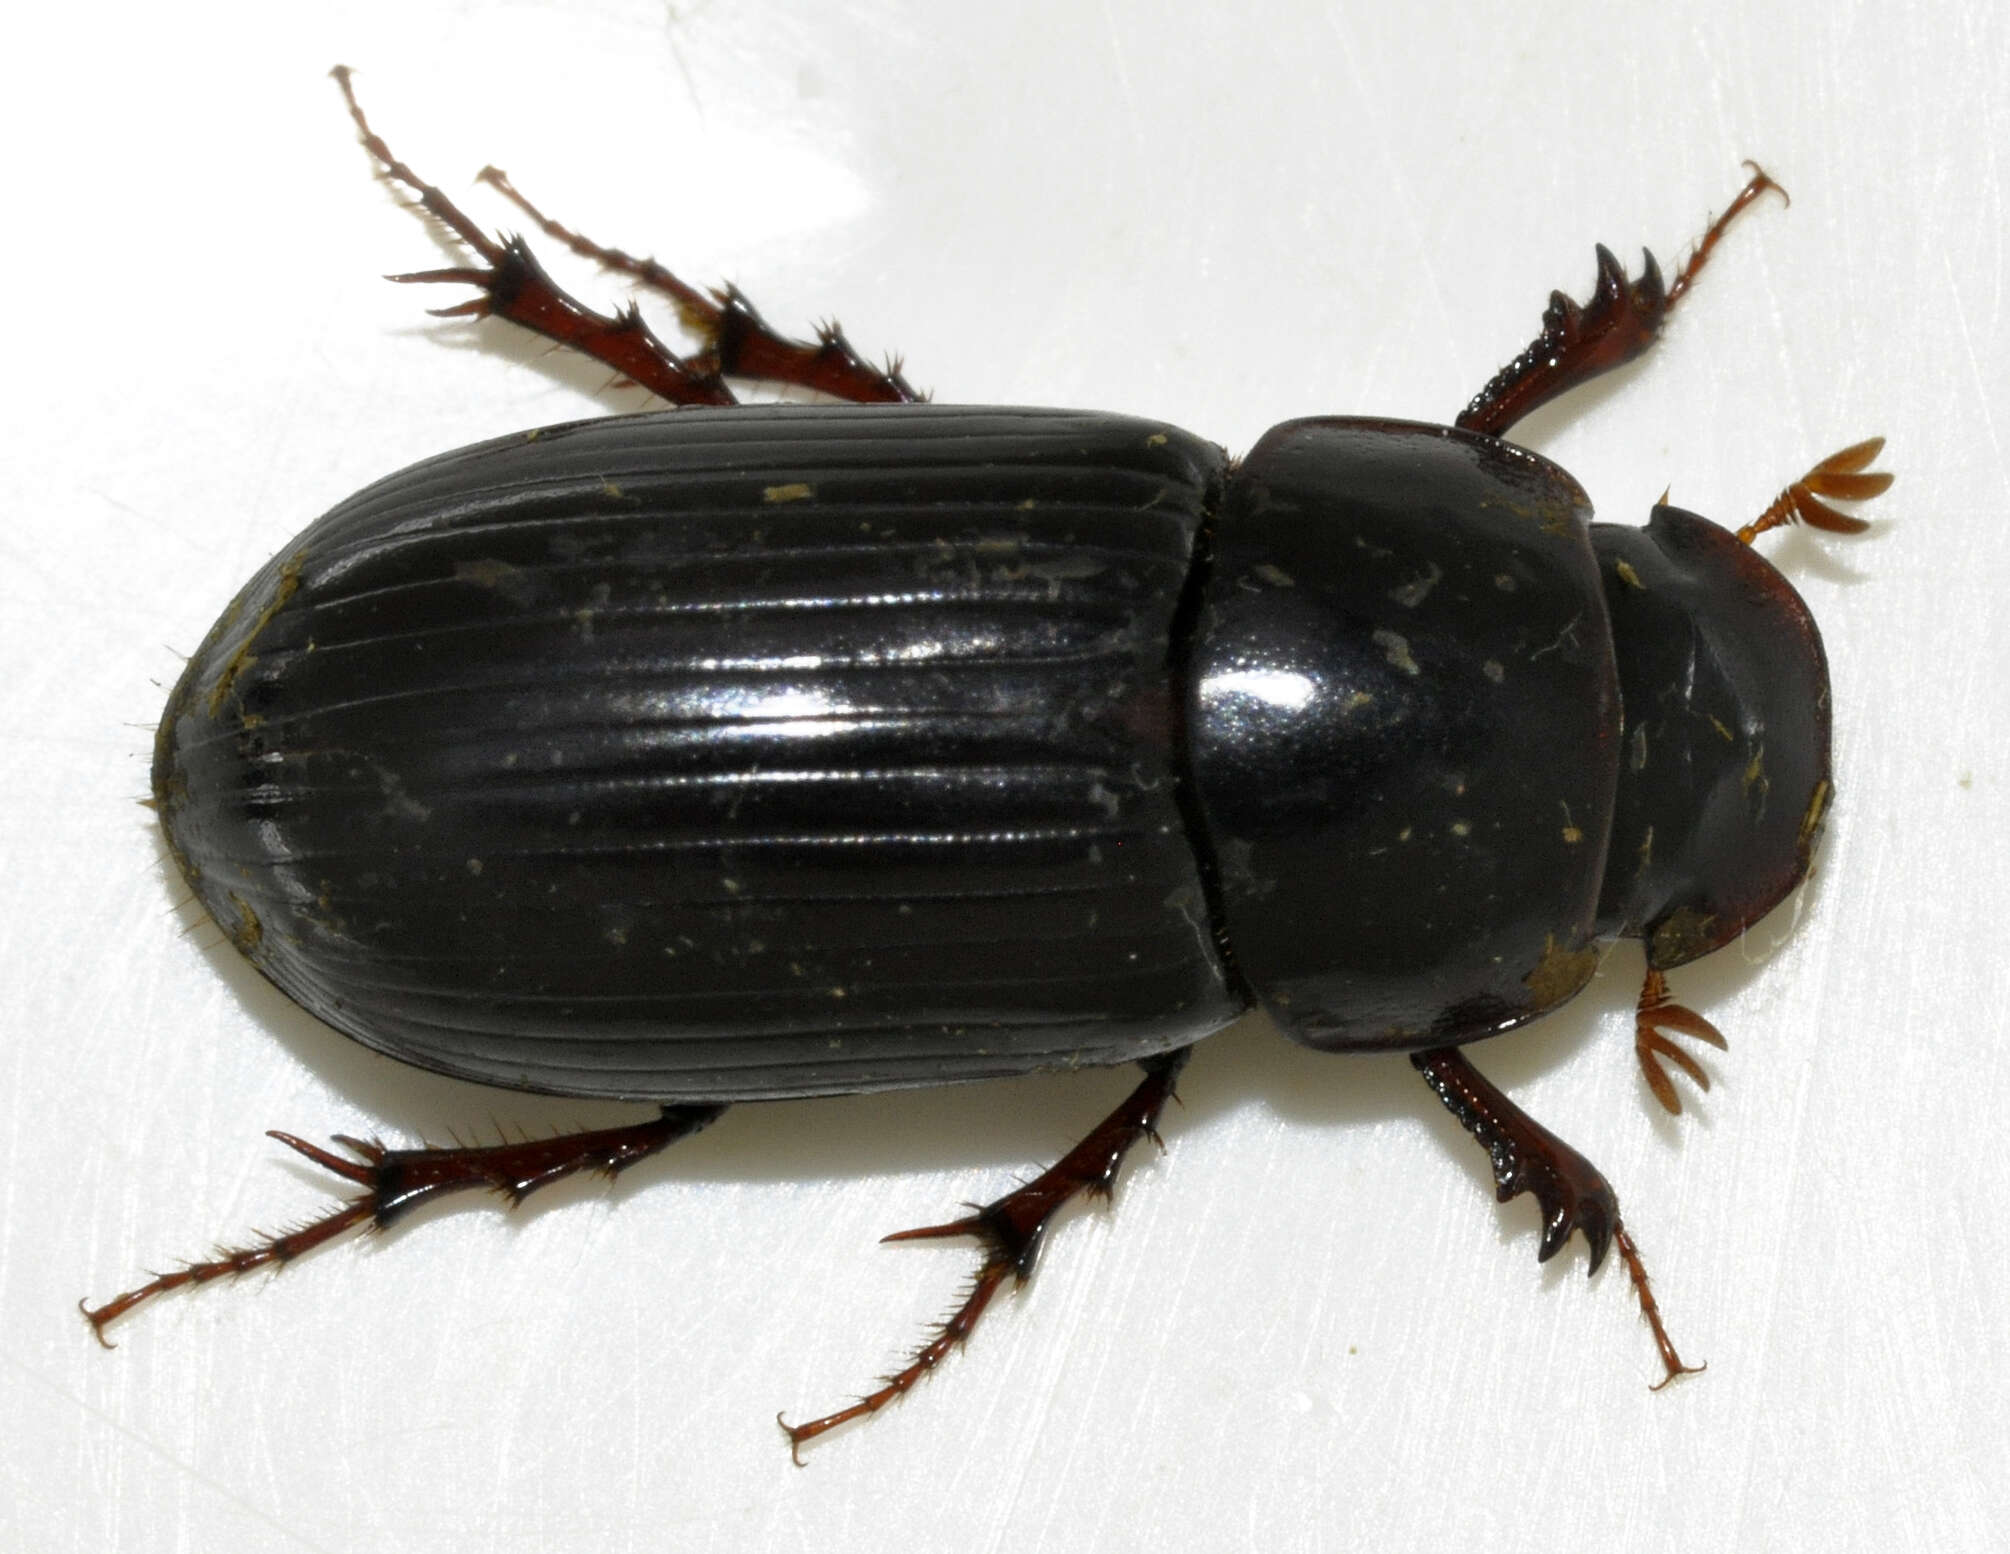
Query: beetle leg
{"x": 1527, "y": 1157}
{"x": 514, "y": 286}
{"x": 738, "y": 342}
{"x": 396, "y": 1181}
{"x": 1010, "y": 1230}
{"x": 1656, "y": 1015}
{"x": 1581, "y": 340}
{"x": 1841, "y": 476}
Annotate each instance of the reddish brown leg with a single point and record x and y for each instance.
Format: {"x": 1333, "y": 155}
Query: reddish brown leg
{"x": 1656, "y": 1015}
{"x": 513, "y": 285}
{"x": 1842, "y": 476}
{"x": 396, "y": 1181}
{"x": 1010, "y": 1231}
{"x": 738, "y": 342}
{"x": 1527, "y": 1157}
{"x": 1580, "y": 341}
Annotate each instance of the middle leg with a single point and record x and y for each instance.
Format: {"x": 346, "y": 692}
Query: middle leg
{"x": 1011, "y": 1228}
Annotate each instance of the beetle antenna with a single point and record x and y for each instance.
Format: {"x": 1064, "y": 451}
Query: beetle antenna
{"x": 1843, "y": 476}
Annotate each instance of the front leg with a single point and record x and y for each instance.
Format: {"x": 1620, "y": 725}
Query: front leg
{"x": 1581, "y": 340}
{"x": 1527, "y": 1157}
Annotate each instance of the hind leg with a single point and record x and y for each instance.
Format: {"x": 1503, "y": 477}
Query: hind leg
{"x": 736, "y": 341}
{"x": 396, "y": 1181}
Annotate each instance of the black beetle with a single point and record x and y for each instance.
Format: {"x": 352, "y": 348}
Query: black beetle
{"x": 740, "y": 753}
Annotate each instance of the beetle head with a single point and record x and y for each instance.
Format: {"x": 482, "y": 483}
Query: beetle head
{"x": 1724, "y": 759}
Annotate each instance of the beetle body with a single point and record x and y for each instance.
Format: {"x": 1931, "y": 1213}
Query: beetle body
{"x": 723, "y": 755}
{"x": 747, "y": 752}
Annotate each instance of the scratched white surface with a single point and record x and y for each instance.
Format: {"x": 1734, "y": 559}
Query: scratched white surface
{"x": 1307, "y": 1327}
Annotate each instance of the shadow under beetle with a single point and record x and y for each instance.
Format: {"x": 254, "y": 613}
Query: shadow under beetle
{"x": 738, "y": 753}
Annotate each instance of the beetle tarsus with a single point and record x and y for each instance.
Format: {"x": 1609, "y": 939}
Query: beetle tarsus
{"x": 1657, "y": 1015}
{"x": 1011, "y": 1230}
{"x": 232, "y": 1262}
{"x": 1579, "y": 341}
{"x": 1844, "y": 477}
{"x": 951, "y": 1333}
{"x": 1756, "y": 185}
{"x": 1636, "y": 1270}
{"x": 396, "y": 1181}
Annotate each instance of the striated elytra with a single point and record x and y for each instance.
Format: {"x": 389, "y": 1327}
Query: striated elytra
{"x": 738, "y": 752}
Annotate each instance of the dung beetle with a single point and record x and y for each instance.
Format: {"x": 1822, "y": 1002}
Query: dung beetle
{"x": 744, "y": 752}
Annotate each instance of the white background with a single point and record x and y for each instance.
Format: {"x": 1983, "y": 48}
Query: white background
{"x": 1307, "y": 1326}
